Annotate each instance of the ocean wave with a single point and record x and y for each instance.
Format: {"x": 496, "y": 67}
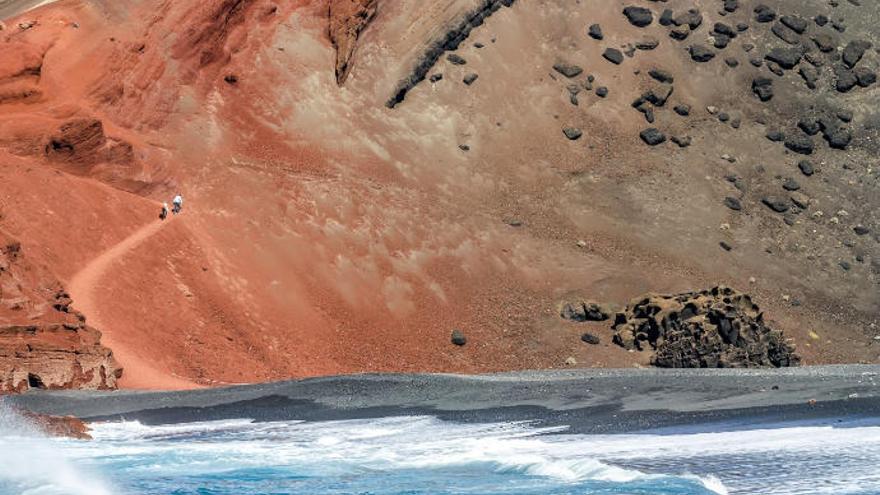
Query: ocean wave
{"x": 386, "y": 444}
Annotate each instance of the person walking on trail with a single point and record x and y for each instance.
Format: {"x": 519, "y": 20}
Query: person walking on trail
{"x": 164, "y": 214}
{"x": 178, "y": 204}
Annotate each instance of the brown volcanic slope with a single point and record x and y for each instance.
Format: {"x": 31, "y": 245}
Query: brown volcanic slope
{"x": 324, "y": 232}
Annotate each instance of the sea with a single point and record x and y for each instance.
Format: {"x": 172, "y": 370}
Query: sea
{"x": 425, "y": 455}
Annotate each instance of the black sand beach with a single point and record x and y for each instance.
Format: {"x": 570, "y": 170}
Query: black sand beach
{"x": 588, "y": 401}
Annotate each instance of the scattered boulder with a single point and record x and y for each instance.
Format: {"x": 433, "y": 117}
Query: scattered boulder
{"x": 661, "y": 75}
{"x": 638, "y": 16}
{"x": 692, "y": 19}
{"x": 590, "y": 339}
{"x": 572, "y": 133}
{"x": 613, "y": 55}
{"x": 795, "y": 23}
{"x": 764, "y": 13}
{"x": 715, "y": 328}
{"x": 778, "y": 205}
{"x": 806, "y": 167}
{"x": 568, "y": 70}
{"x": 853, "y": 52}
{"x": 652, "y": 136}
{"x": 595, "y": 32}
{"x": 456, "y": 59}
{"x": 470, "y": 78}
{"x": 787, "y": 58}
{"x": 701, "y": 53}
{"x": 790, "y": 184}
{"x": 585, "y": 311}
{"x": 458, "y": 338}
{"x": 800, "y": 143}
{"x": 763, "y": 88}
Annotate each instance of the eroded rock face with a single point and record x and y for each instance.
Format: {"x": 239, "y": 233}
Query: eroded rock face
{"x": 44, "y": 343}
{"x": 716, "y": 328}
{"x": 347, "y": 19}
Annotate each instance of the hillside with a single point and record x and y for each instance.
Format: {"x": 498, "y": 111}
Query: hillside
{"x": 363, "y": 177}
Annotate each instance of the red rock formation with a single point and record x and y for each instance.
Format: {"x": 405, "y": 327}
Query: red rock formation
{"x": 58, "y": 426}
{"x": 44, "y": 343}
{"x": 348, "y": 18}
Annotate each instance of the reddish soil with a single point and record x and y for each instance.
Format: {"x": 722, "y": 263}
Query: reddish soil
{"x": 324, "y": 233}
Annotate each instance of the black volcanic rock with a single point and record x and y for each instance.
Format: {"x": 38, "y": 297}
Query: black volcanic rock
{"x": 591, "y": 339}
{"x": 733, "y": 203}
{"x": 692, "y": 19}
{"x": 799, "y": 142}
{"x": 778, "y": 205}
{"x": 795, "y": 23}
{"x": 810, "y": 76}
{"x": 595, "y": 32}
{"x": 806, "y": 167}
{"x": 716, "y": 328}
{"x": 775, "y": 135}
{"x": 638, "y": 16}
{"x": 661, "y": 75}
{"x": 866, "y": 77}
{"x": 785, "y": 34}
{"x": 854, "y": 51}
{"x": 613, "y": 55}
{"x": 652, "y": 136}
{"x": 456, "y": 59}
{"x": 568, "y": 70}
{"x": 764, "y": 13}
{"x": 846, "y": 79}
{"x": 701, "y": 53}
{"x": 458, "y": 338}
{"x": 572, "y": 133}
{"x": 787, "y": 58}
{"x": 763, "y": 88}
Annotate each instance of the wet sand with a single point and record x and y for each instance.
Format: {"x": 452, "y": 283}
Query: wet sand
{"x": 588, "y": 401}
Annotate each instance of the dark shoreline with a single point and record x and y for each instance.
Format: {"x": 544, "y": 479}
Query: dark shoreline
{"x": 587, "y": 401}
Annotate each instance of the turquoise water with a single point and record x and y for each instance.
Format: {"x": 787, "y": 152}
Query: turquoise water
{"x": 424, "y": 455}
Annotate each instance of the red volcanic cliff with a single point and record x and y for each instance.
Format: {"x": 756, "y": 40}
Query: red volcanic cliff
{"x": 44, "y": 343}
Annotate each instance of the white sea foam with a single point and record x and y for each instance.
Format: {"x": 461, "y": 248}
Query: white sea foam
{"x": 31, "y": 464}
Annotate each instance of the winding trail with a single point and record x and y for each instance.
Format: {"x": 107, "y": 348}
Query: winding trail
{"x": 85, "y": 289}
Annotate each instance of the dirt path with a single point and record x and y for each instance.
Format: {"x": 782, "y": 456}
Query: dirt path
{"x": 86, "y": 290}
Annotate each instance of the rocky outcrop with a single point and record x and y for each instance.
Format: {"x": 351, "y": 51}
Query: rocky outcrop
{"x": 348, "y": 18}
{"x": 44, "y": 343}
{"x": 716, "y": 328}
{"x": 83, "y": 142}
{"x": 458, "y": 32}
{"x": 58, "y": 426}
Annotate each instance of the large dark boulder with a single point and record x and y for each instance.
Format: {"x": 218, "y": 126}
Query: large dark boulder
{"x": 701, "y": 53}
{"x": 716, "y": 328}
{"x": 787, "y": 58}
{"x": 639, "y": 16}
{"x": 652, "y": 136}
{"x": 763, "y": 88}
{"x": 854, "y": 51}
